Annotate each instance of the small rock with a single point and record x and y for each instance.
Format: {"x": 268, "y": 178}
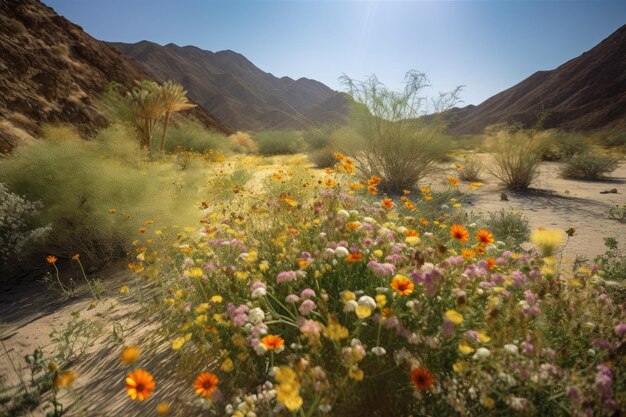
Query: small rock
{"x": 504, "y": 197}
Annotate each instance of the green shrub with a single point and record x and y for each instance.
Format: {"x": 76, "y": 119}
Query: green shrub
{"x": 316, "y": 139}
{"x": 59, "y": 133}
{"x": 588, "y": 166}
{"x": 190, "y": 135}
{"x": 508, "y": 226}
{"x": 471, "y": 168}
{"x": 323, "y": 158}
{"x": 517, "y": 154}
{"x": 561, "y": 146}
{"x": 390, "y": 138}
{"x": 615, "y": 140}
{"x": 278, "y": 142}
{"x": 97, "y": 194}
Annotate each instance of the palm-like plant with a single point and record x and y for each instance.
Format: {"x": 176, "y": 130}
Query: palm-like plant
{"x": 148, "y": 107}
{"x": 174, "y": 99}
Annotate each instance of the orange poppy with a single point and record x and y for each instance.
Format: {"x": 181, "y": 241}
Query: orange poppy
{"x": 459, "y": 232}
{"x": 422, "y": 378}
{"x": 402, "y": 285}
{"x": 484, "y": 237}
{"x": 272, "y": 342}
{"x": 206, "y": 384}
{"x": 140, "y": 384}
{"x": 354, "y": 257}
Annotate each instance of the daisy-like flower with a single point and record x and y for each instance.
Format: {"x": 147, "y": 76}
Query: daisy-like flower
{"x": 130, "y": 354}
{"x": 205, "y": 384}
{"x": 387, "y": 203}
{"x": 484, "y": 237}
{"x": 402, "y": 285}
{"x": 422, "y": 378}
{"x": 453, "y": 181}
{"x": 140, "y": 384}
{"x": 459, "y": 232}
{"x": 354, "y": 257}
{"x": 64, "y": 379}
{"x": 273, "y": 342}
{"x": 51, "y": 259}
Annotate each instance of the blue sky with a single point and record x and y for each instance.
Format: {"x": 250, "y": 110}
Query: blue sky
{"x": 487, "y": 46}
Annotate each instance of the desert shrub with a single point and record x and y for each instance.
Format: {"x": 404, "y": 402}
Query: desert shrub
{"x": 95, "y": 200}
{"x": 517, "y": 155}
{"x": 471, "y": 168}
{"x": 242, "y": 142}
{"x": 278, "y": 142}
{"x": 191, "y": 135}
{"x": 618, "y": 213}
{"x": 17, "y": 226}
{"x": 227, "y": 185}
{"x": 391, "y": 141}
{"x": 588, "y": 166}
{"x": 60, "y": 132}
{"x": 561, "y": 146}
{"x": 316, "y": 139}
{"x": 614, "y": 140}
{"x": 508, "y": 226}
{"x": 322, "y": 158}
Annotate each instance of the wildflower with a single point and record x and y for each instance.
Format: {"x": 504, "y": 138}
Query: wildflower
{"x": 547, "y": 240}
{"x": 205, "y": 384}
{"x": 484, "y": 237}
{"x": 273, "y": 342}
{"x": 402, "y": 285}
{"x": 467, "y": 253}
{"x": 51, "y": 259}
{"x": 112, "y": 211}
{"x": 140, "y": 384}
{"x": 387, "y": 203}
{"x": 288, "y": 388}
{"x": 163, "y": 408}
{"x": 354, "y": 257}
{"x": 130, "y": 354}
{"x": 217, "y": 299}
{"x": 379, "y": 351}
{"x": 453, "y": 181}
{"x": 356, "y": 373}
{"x": 465, "y": 348}
{"x": 75, "y": 257}
{"x": 64, "y": 379}
{"x": 459, "y": 232}
{"x": 422, "y": 378}
{"x": 381, "y": 300}
{"x": 306, "y": 307}
{"x": 362, "y": 312}
{"x": 367, "y": 301}
{"x": 511, "y": 349}
{"x": 335, "y": 331}
{"x": 482, "y": 353}
{"x": 454, "y": 316}
{"x": 123, "y": 289}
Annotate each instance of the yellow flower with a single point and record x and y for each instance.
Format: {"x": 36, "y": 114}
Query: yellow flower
{"x": 465, "y": 348}
{"x": 547, "y": 240}
{"x": 288, "y": 388}
{"x": 362, "y": 312}
{"x": 454, "y": 316}
{"x": 194, "y": 272}
{"x": 163, "y": 408}
{"x": 201, "y": 319}
{"x": 347, "y": 296}
{"x": 64, "y": 379}
{"x": 130, "y": 354}
{"x": 381, "y": 300}
{"x": 227, "y": 365}
{"x": 460, "y": 366}
{"x": 377, "y": 253}
{"x": 356, "y": 373}
{"x": 412, "y": 240}
{"x": 335, "y": 331}
{"x": 487, "y": 401}
{"x": 124, "y": 289}
{"x": 482, "y": 337}
{"x": 217, "y": 299}
{"x": 180, "y": 341}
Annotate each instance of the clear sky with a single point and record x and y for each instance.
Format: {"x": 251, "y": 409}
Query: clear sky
{"x": 487, "y": 46}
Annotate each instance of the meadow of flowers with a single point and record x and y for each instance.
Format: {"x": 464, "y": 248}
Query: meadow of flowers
{"x": 318, "y": 295}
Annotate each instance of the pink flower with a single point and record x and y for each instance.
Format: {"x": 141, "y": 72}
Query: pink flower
{"x": 306, "y": 307}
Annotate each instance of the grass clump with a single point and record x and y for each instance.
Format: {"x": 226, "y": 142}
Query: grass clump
{"x": 390, "y": 140}
{"x": 510, "y": 226}
{"x": 242, "y": 142}
{"x": 517, "y": 153}
{"x": 560, "y": 146}
{"x": 278, "y": 142}
{"x": 471, "y": 168}
{"x": 589, "y": 166}
{"x": 191, "y": 135}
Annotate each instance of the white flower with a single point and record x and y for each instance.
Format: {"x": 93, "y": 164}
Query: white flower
{"x": 379, "y": 351}
{"x": 367, "y": 301}
{"x": 511, "y": 349}
{"x": 401, "y": 229}
{"x": 343, "y": 213}
{"x": 341, "y": 252}
{"x": 260, "y": 349}
{"x": 369, "y": 220}
{"x": 256, "y": 315}
{"x": 325, "y": 408}
{"x": 354, "y": 212}
{"x": 482, "y": 353}
{"x": 350, "y": 306}
{"x": 259, "y": 292}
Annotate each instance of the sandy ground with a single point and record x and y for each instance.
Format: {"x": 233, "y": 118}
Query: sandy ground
{"x": 561, "y": 204}
{"x": 29, "y": 313}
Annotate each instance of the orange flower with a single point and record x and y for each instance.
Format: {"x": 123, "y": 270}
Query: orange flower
{"x": 484, "y": 237}
{"x": 459, "y": 232}
{"x": 205, "y": 384}
{"x": 353, "y": 225}
{"x": 51, "y": 259}
{"x": 356, "y": 186}
{"x": 409, "y": 205}
{"x": 354, "y": 257}
{"x": 406, "y": 192}
{"x": 411, "y": 232}
{"x": 387, "y": 202}
{"x": 130, "y": 353}
{"x": 374, "y": 180}
{"x": 467, "y": 253}
{"x": 428, "y": 197}
{"x": 140, "y": 384}
{"x": 372, "y": 190}
{"x": 422, "y": 378}
{"x": 64, "y": 379}
{"x": 75, "y": 257}
{"x": 480, "y": 250}
{"x": 453, "y": 181}
{"x": 402, "y": 285}
{"x": 273, "y": 342}
{"x": 142, "y": 230}
{"x": 491, "y": 263}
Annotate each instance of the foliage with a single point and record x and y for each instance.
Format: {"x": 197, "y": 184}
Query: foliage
{"x": 471, "y": 167}
{"x": 59, "y": 133}
{"x": 322, "y": 158}
{"x": 618, "y": 213}
{"x": 278, "y": 142}
{"x": 508, "y": 226}
{"x": 391, "y": 140}
{"x": 560, "y": 146}
{"x": 517, "y": 153}
{"x": 588, "y": 166}
{"x": 242, "y": 142}
{"x": 174, "y": 99}
{"x": 17, "y": 229}
{"x": 191, "y": 135}
{"x": 317, "y": 139}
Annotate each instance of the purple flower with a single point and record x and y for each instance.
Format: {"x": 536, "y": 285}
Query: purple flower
{"x": 604, "y": 381}
{"x": 620, "y": 329}
{"x": 306, "y": 307}
{"x": 382, "y": 269}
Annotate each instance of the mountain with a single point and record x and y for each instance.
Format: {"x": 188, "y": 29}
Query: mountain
{"x": 51, "y": 71}
{"x": 585, "y": 93}
{"x": 231, "y": 87}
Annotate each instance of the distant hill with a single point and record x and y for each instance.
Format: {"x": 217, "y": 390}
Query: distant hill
{"x": 51, "y": 71}
{"x": 234, "y": 89}
{"x": 585, "y": 93}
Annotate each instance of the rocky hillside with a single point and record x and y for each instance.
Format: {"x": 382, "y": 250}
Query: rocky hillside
{"x": 51, "y": 71}
{"x": 585, "y": 93}
{"x": 231, "y": 87}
